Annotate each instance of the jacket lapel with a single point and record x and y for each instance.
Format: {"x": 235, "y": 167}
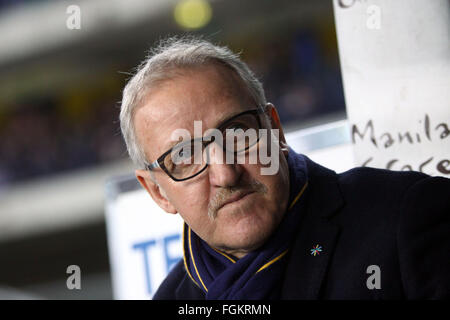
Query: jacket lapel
{"x": 187, "y": 290}
{"x": 305, "y": 270}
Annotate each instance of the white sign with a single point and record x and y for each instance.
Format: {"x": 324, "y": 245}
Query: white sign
{"x": 144, "y": 242}
{"x": 395, "y": 61}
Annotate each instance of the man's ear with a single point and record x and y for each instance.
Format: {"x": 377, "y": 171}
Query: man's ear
{"x": 276, "y": 124}
{"x": 155, "y": 191}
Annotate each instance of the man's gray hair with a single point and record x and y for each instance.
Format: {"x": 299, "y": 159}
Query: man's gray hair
{"x": 161, "y": 63}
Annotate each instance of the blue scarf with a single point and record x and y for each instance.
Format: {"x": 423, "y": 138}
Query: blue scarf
{"x": 259, "y": 274}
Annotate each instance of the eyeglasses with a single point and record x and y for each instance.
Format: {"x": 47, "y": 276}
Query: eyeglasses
{"x": 186, "y": 160}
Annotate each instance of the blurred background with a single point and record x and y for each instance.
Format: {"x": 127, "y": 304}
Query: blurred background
{"x": 60, "y": 92}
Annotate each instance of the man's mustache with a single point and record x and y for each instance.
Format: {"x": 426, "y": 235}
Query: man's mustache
{"x": 223, "y": 195}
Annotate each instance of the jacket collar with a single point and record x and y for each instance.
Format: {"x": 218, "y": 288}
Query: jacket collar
{"x": 305, "y": 272}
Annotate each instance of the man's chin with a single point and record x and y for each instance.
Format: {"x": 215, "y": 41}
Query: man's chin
{"x": 245, "y": 239}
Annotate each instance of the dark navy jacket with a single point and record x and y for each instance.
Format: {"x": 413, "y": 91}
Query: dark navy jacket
{"x": 398, "y": 221}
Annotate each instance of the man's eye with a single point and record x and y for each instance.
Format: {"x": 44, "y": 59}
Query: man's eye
{"x": 183, "y": 156}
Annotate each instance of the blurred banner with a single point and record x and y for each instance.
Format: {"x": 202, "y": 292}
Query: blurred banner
{"x": 145, "y": 242}
{"x": 395, "y": 61}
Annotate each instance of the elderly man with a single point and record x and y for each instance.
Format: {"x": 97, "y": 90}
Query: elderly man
{"x": 300, "y": 231}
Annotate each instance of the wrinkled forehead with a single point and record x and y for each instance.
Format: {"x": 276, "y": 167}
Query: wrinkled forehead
{"x": 208, "y": 94}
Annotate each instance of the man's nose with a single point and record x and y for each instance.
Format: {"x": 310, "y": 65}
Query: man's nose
{"x": 222, "y": 174}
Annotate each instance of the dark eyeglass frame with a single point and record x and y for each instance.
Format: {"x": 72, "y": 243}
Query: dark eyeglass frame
{"x": 159, "y": 163}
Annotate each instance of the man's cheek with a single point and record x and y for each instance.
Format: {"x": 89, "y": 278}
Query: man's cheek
{"x": 193, "y": 200}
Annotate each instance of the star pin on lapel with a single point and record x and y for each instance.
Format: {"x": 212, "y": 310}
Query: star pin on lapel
{"x": 316, "y": 250}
